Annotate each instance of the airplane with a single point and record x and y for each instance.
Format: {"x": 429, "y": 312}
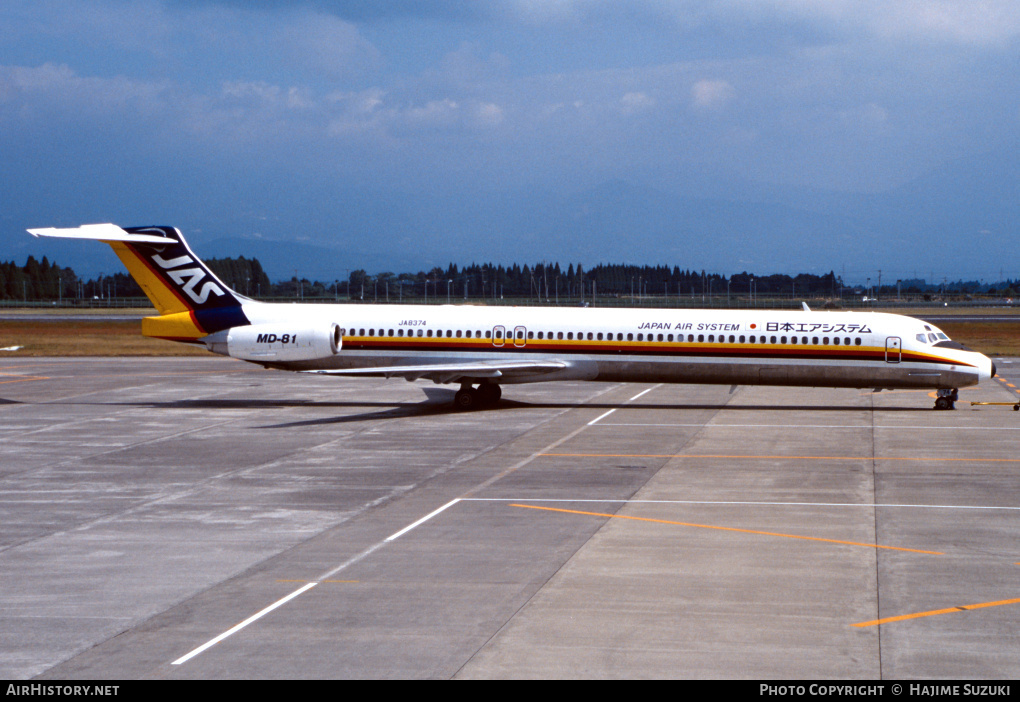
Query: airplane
{"x": 482, "y": 348}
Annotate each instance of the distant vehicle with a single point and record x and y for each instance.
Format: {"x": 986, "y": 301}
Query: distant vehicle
{"x": 483, "y": 348}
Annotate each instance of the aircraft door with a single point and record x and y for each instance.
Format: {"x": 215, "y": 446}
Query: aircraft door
{"x": 520, "y": 337}
{"x": 893, "y": 349}
{"x": 497, "y": 336}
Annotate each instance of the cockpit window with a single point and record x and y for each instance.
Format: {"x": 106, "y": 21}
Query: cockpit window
{"x": 922, "y": 338}
{"x": 943, "y": 337}
{"x": 932, "y": 338}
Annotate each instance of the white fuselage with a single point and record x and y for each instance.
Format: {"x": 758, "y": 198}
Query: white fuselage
{"x": 746, "y": 346}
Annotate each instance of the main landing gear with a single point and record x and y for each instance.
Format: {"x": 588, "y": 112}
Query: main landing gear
{"x": 485, "y": 394}
{"x": 946, "y": 399}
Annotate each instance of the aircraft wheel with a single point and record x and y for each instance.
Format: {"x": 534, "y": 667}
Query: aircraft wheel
{"x": 943, "y": 403}
{"x": 489, "y": 393}
{"x": 465, "y": 399}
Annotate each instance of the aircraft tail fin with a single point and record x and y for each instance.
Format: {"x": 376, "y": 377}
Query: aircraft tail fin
{"x": 191, "y": 300}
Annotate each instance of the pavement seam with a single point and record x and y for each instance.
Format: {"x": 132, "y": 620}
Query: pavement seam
{"x": 580, "y": 546}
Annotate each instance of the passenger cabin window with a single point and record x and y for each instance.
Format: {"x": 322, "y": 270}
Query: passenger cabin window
{"x": 559, "y": 335}
{"x": 630, "y": 337}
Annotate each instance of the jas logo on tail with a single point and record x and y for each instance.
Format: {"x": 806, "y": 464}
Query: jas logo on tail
{"x": 188, "y": 278}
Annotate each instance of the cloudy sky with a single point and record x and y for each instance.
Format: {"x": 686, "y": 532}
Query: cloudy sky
{"x": 276, "y": 118}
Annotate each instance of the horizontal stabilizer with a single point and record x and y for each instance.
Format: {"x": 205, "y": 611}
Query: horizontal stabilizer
{"x": 101, "y": 232}
{"x": 452, "y": 372}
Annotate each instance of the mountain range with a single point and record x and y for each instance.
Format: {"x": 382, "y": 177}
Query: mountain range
{"x": 959, "y": 221}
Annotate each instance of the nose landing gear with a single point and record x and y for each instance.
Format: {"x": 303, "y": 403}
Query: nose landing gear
{"x": 947, "y": 398}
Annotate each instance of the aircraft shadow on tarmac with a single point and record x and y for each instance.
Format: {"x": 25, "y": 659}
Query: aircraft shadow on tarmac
{"x": 440, "y": 402}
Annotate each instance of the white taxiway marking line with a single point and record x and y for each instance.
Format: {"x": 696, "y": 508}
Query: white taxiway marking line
{"x": 803, "y": 426}
{"x": 255, "y": 617}
{"x": 606, "y": 414}
{"x": 643, "y": 392}
{"x": 717, "y": 502}
{"x": 375, "y": 547}
{"x": 325, "y": 576}
{"x": 421, "y": 521}
{"x": 602, "y": 416}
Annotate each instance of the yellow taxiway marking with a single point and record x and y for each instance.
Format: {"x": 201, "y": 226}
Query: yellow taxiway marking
{"x": 975, "y": 459}
{"x": 722, "y": 528}
{"x": 932, "y": 613}
{"x": 21, "y": 379}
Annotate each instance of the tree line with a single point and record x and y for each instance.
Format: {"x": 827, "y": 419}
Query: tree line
{"x": 43, "y": 280}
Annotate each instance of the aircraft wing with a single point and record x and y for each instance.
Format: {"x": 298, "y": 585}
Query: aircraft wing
{"x": 452, "y": 372}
